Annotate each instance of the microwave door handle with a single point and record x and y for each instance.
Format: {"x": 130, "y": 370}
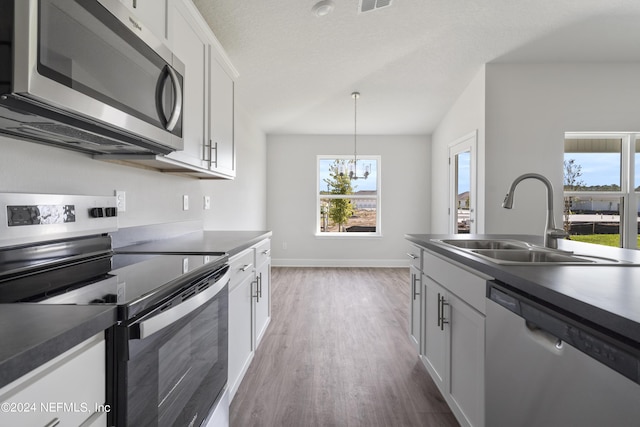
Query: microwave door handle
{"x": 160, "y": 321}
{"x": 177, "y": 106}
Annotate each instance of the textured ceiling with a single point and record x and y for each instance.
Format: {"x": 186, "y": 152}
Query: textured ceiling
{"x": 409, "y": 61}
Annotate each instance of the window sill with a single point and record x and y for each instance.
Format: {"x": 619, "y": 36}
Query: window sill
{"x": 345, "y": 235}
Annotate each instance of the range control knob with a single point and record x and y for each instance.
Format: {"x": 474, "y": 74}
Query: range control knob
{"x": 111, "y": 211}
{"x": 96, "y": 212}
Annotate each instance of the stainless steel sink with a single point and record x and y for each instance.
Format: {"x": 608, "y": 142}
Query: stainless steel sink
{"x": 486, "y": 244}
{"x": 516, "y": 252}
{"x": 528, "y": 256}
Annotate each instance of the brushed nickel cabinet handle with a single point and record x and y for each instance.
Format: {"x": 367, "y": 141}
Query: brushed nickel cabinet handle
{"x": 257, "y": 295}
{"x": 442, "y": 320}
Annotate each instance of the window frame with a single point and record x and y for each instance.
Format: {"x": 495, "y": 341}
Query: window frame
{"x": 378, "y": 196}
{"x": 627, "y": 193}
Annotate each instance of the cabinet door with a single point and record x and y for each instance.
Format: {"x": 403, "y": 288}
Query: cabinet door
{"x": 415, "y": 320}
{"x": 221, "y": 118}
{"x": 262, "y": 300}
{"x": 435, "y": 334}
{"x": 240, "y": 332}
{"x": 189, "y": 42}
{"x": 152, "y": 13}
{"x": 466, "y": 361}
{"x": 75, "y": 379}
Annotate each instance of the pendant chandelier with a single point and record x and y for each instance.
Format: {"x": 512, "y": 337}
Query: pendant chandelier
{"x": 353, "y": 164}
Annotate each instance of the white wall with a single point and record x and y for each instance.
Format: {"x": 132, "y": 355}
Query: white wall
{"x": 291, "y": 202}
{"x": 241, "y": 204}
{"x": 465, "y": 116}
{"x": 529, "y": 107}
{"x": 152, "y": 197}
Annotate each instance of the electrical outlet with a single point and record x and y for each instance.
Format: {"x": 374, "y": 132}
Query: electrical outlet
{"x": 185, "y": 203}
{"x": 284, "y": 245}
{"x": 185, "y": 265}
{"x": 121, "y": 201}
{"x": 207, "y": 202}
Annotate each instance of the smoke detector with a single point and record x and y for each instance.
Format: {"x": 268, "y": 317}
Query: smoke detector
{"x": 323, "y": 8}
{"x": 369, "y": 5}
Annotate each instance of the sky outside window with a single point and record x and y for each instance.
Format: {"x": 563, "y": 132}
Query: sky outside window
{"x": 361, "y": 184}
{"x": 598, "y": 168}
{"x": 464, "y": 172}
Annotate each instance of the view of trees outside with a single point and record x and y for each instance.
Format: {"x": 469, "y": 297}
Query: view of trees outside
{"x": 356, "y": 213}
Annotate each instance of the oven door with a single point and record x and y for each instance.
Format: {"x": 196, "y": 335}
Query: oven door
{"x": 176, "y": 367}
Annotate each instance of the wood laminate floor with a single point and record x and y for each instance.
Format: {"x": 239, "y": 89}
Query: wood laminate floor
{"x": 337, "y": 353}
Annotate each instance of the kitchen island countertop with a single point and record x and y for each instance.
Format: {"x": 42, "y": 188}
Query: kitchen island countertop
{"x": 606, "y": 295}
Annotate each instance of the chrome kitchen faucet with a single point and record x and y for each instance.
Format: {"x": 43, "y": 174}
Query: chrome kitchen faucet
{"x": 551, "y": 234}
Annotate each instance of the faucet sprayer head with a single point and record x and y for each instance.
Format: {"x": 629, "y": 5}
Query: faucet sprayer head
{"x": 508, "y": 201}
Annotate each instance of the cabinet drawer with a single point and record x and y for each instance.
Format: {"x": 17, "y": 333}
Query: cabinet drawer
{"x": 415, "y": 256}
{"x": 263, "y": 252}
{"x": 241, "y": 266}
{"x": 469, "y": 287}
{"x": 68, "y": 389}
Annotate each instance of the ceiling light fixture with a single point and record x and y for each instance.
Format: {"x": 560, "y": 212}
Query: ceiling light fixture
{"x": 353, "y": 165}
{"x": 323, "y": 8}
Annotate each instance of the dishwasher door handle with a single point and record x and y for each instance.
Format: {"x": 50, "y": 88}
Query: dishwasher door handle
{"x": 545, "y": 339}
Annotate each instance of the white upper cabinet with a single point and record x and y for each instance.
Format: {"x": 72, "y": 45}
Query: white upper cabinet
{"x": 190, "y": 43}
{"x": 208, "y": 118}
{"x": 208, "y": 93}
{"x": 221, "y": 121}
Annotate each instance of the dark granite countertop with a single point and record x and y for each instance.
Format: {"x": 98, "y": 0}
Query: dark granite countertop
{"x": 605, "y": 295}
{"x": 201, "y": 242}
{"x": 33, "y": 334}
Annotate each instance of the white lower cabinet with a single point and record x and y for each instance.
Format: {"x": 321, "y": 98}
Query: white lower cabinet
{"x": 416, "y": 310}
{"x": 415, "y": 317}
{"x": 454, "y": 336}
{"x": 249, "y": 308}
{"x": 240, "y": 332}
{"x": 69, "y": 390}
{"x": 263, "y": 289}
{"x": 435, "y": 337}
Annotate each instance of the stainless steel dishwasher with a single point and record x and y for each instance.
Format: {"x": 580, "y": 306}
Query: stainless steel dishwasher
{"x": 546, "y": 368}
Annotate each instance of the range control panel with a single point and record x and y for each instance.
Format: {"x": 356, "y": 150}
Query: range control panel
{"x": 27, "y": 218}
{"x": 42, "y": 214}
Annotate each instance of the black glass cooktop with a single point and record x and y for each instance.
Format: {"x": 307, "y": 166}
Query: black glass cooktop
{"x": 133, "y": 282}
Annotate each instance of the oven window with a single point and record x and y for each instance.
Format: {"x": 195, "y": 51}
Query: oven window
{"x": 175, "y": 375}
{"x": 183, "y": 360}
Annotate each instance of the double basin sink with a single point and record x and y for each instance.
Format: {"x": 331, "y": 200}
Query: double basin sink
{"x": 516, "y": 252}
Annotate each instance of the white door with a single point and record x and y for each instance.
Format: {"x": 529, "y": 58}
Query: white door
{"x": 462, "y": 184}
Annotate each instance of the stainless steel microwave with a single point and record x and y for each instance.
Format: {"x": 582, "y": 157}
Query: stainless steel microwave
{"x": 89, "y": 76}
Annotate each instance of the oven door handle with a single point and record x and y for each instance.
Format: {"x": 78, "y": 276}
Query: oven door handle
{"x": 156, "y": 323}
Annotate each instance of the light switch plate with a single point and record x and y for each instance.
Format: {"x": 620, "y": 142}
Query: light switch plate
{"x": 207, "y": 202}
{"x": 185, "y": 202}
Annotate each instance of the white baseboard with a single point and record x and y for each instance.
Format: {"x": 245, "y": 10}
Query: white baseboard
{"x": 382, "y": 263}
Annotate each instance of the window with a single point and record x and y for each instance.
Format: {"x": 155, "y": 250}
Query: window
{"x": 601, "y": 185}
{"x": 348, "y": 207}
